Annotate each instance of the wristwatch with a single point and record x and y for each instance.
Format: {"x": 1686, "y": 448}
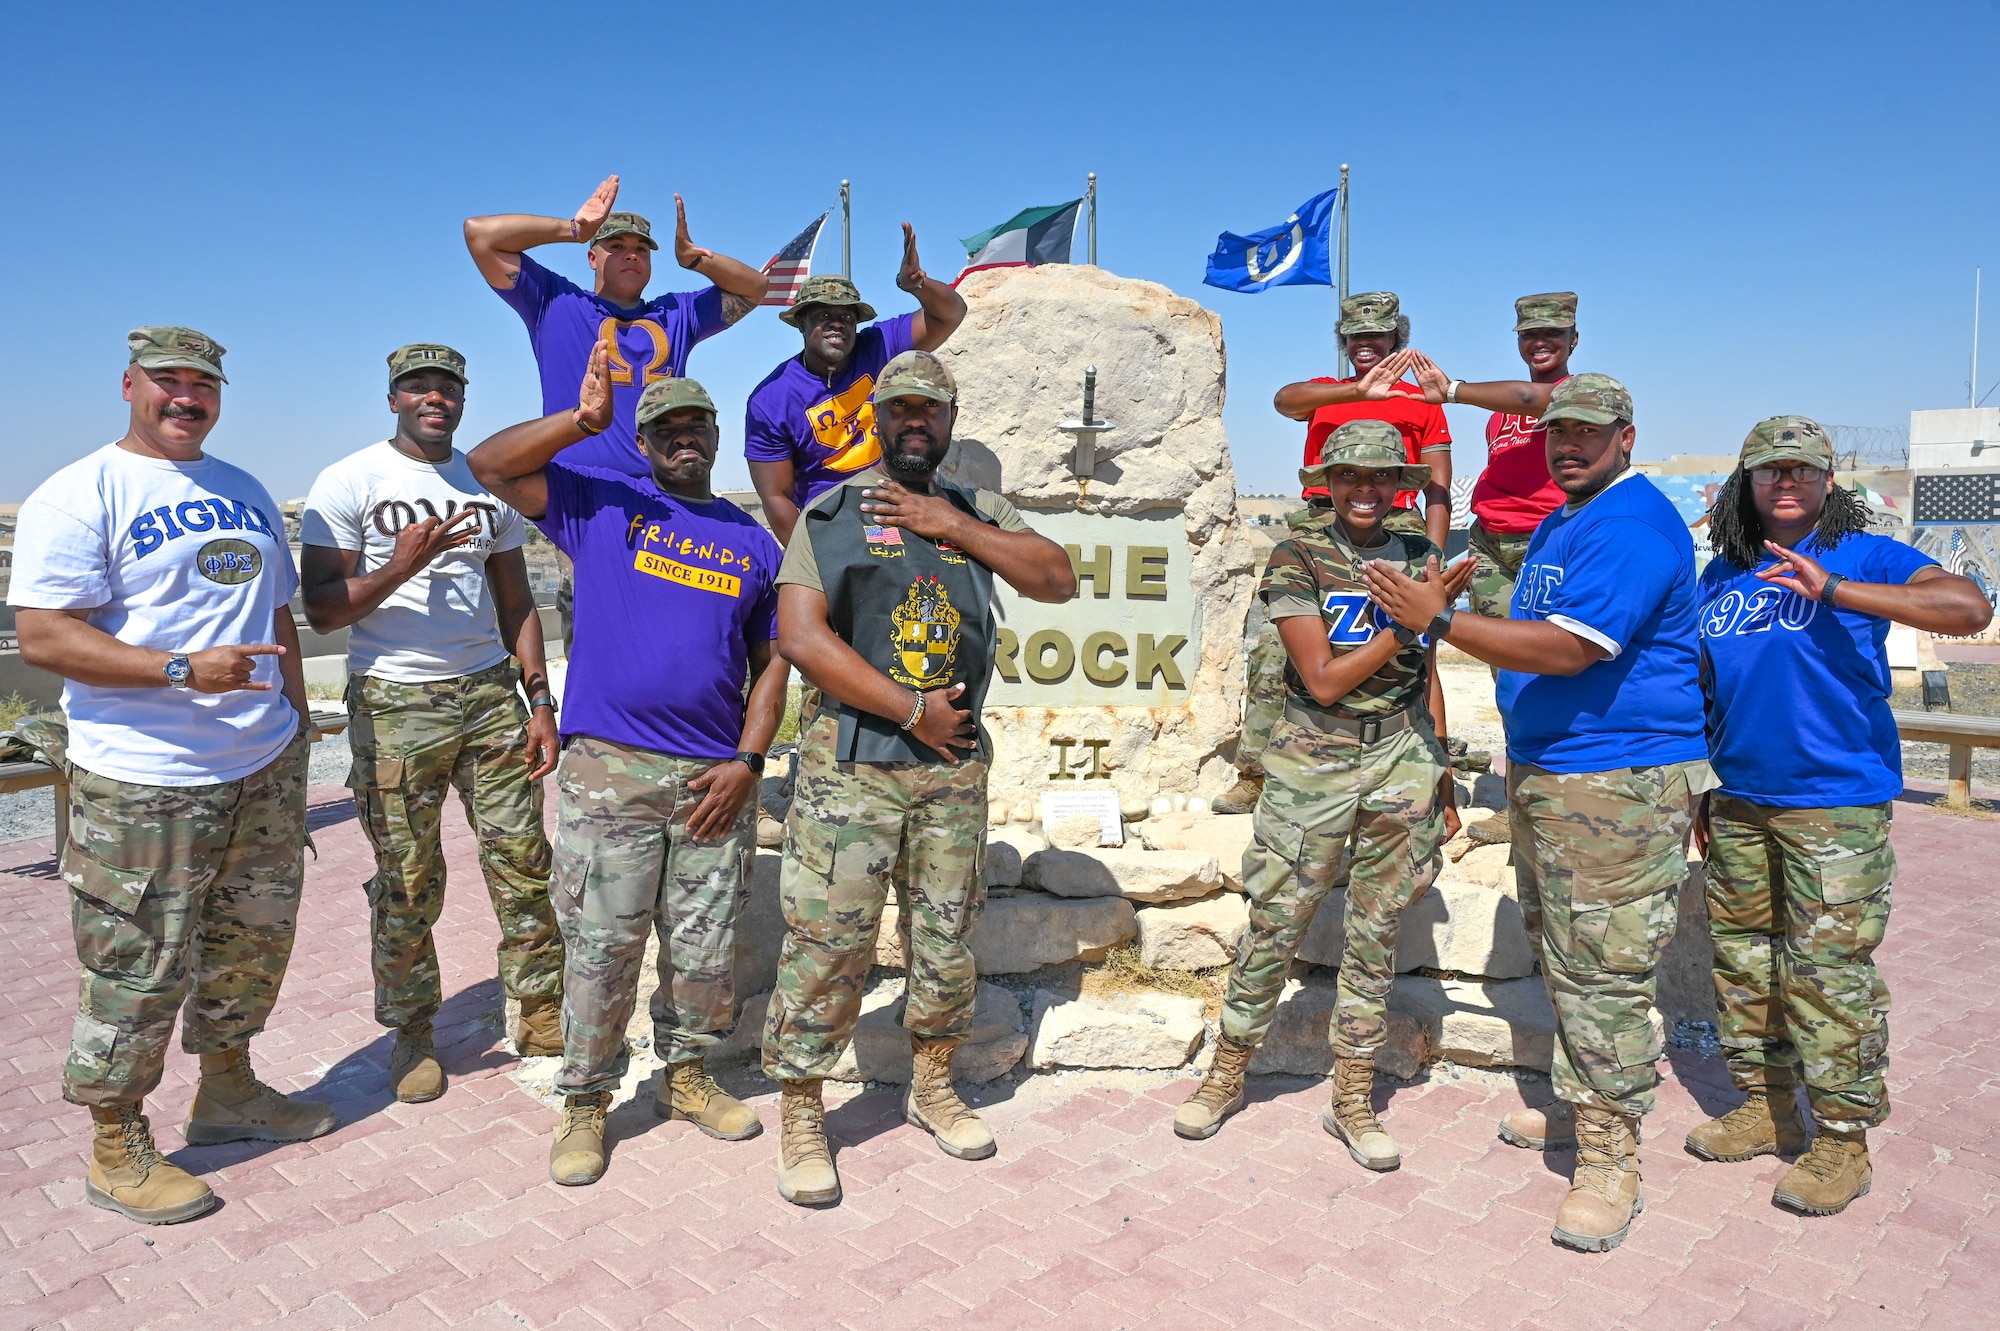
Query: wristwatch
{"x": 1441, "y": 625}
{"x": 178, "y": 672}
{"x": 542, "y": 700}
{"x": 1405, "y": 636}
{"x": 753, "y": 760}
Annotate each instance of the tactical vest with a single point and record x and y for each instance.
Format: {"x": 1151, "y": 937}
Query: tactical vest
{"x": 919, "y": 612}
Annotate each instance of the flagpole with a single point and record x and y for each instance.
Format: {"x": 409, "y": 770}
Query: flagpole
{"x": 1341, "y": 351}
{"x": 847, "y": 245}
{"x": 1090, "y": 192}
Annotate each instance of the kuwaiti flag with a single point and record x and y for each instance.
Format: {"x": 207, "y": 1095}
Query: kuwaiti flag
{"x": 1032, "y": 236}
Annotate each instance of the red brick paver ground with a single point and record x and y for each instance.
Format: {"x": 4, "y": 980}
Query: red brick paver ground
{"x": 1093, "y": 1214}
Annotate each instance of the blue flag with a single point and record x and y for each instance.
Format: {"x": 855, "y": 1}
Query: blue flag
{"x": 1292, "y": 254}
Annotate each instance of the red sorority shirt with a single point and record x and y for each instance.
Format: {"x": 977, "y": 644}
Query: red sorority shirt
{"x": 1514, "y": 493}
{"x": 1422, "y": 425}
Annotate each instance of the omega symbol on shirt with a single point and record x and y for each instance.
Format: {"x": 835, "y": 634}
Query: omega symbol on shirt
{"x": 229, "y": 561}
{"x": 621, "y": 369}
{"x": 1737, "y": 615}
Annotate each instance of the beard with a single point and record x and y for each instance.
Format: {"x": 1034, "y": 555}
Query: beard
{"x": 903, "y": 463}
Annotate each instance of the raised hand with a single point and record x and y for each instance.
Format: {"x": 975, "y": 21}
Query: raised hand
{"x": 1457, "y": 577}
{"x": 686, "y": 253}
{"x": 595, "y": 209}
{"x": 593, "y": 397}
{"x": 1411, "y": 603}
{"x": 911, "y": 275}
{"x": 1794, "y": 572}
{"x": 228, "y": 669}
{"x": 1380, "y": 382}
{"x": 1429, "y": 377}
{"x": 421, "y": 542}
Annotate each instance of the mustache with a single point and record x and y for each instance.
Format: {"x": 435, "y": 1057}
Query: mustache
{"x": 909, "y": 432}
{"x": 180, "y": 411}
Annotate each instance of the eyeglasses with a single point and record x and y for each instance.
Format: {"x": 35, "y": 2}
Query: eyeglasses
{"x": 1803, "y": 474}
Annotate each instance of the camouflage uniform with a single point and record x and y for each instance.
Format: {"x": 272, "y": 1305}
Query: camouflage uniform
{"x": 1798, "y": 900}
{"x": 855, "y": 831}
{"x": 1342, "y": 782}
{"x": 411, "y": 742}
{"x": 1599, "y": 858}
{"x": 625, "y": 864}
{"x": 178, "y": 894}
{"x": 1496, "y": 563}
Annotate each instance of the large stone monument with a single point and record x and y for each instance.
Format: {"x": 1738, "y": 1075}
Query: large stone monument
{"x": 1137, "y": 682}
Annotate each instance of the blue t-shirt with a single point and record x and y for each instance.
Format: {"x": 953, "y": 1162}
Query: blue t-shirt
{"x": 1619, "y": 572}
{"x": 652, "y": 341}
{"x": 669, "y": 595}
{"x": 824, "y": 427}
{"x": 1798, "y": 692}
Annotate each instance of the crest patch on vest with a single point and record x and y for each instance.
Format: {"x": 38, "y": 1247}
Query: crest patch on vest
{"x": 925, "y": 631}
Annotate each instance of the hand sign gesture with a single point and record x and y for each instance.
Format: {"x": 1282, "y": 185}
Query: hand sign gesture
{"x": 1794, "y": 572}
{"x": 593, "y": 397}
{"x": 595, "y": 209}
{"x": 911, "y": 275}
{"x": 686, "y": 252}
{"x": 1379, "y": 383}
{"x": 1430, "y": 378}
{"x": 228, "y": 669}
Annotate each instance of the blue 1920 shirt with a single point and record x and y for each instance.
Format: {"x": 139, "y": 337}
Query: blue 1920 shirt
{"x": 1618, "y": 572}
{"x": 1798, "y": 701}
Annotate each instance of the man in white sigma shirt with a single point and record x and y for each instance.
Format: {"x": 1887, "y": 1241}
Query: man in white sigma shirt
{"x": 403, "y": 545}
{"x": 154, "y": 579}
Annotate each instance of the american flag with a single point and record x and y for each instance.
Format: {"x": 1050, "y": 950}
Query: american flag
{"x": 790, "y": 266}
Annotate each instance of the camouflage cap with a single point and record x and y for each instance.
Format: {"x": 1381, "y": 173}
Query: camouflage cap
{"x": 1597, "y": 399}
{"x": 1366, "y": 444}
{"x": 664, "y": 395}
{"x": 915, "y": 374}
{"x": 168, "y": 347}
{"x": 626, "y": 224}
{"x": 1787, "y": 439}
{"x": 425, "y": 356}
{"x": 1551, "y": 309}
{"x": 828, "y": 289}
{"x": 1369, "y": 312}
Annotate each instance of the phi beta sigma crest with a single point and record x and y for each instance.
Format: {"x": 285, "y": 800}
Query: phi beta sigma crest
{"x": 926, "y": 636}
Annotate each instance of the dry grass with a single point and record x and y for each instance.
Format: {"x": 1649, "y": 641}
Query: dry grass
{"x": 1121, "y": 972}
{"x": 13, "y": 707}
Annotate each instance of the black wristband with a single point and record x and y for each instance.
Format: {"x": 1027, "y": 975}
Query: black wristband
{"x": 542, "y": 700}
{"x": 1833, "y": 581}
{"x": 1441, "y": 625}
{"x": 1405, "y": 636}
{"x": 753, "y": 761}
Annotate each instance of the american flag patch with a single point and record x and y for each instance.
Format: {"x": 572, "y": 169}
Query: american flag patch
{"x": 790, "y": 266}
{"x": 883, "y": 535}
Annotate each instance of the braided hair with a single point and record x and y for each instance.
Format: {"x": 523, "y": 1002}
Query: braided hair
{"x": 1736, "y": 532}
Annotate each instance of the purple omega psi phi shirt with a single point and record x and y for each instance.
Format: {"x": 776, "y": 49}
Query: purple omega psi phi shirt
{"x": 652, "y": 340}
{"x": 669, "y": 594}
{"x": 825, "y": 428}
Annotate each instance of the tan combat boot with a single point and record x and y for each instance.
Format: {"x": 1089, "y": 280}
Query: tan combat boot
{"x": 128, "y": 1176}
{"x": 1604, "y": 1191}
{"x": 1829, "y": 1176}
{"x": 231, "y": 1105}
{"x": 1768, "y": 1123}
{"x": 932, "y": 1103}
{"x": 538, "y": 1033}
{"x": 1241, "y": 797}
{"x": 1550, "y": 1127}
{"x": 806, "y": 1176}
{"x": 1351, "y": 1116}
{"x": 1219, "y": 1095}
{"x": 577, "y": 1154}
{"x": 415, "y": 1075}
{"x": 687, "y": 1091}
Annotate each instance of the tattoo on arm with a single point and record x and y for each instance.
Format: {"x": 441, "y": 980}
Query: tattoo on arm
{"x": 735, "y": 307}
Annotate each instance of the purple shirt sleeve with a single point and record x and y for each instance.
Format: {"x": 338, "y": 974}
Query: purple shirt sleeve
{"x": 700, "y": 318}
{"x": 532, "y": 291}
{"x": 762, "y": 623}
{"x": 764, "y": 436}
{"x": 566, "y": 494}
{"x": 896, "y": 335}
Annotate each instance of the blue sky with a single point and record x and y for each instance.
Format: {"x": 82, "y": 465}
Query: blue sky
{"x": 1767, "y": 208}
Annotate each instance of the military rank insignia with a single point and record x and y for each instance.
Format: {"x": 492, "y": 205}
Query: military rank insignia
{"x": 884, "y": 541}
{"x": 925, "y": 630}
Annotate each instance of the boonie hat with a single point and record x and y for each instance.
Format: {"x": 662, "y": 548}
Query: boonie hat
{"x": 425, "y": 356}
{"x": 1369, "y": 312}
{"x": 664, "y": 395}
{"x": 915, "y": 374}
{"x": 625, "y": 224}
{"x": 828, "y": 289}
{"x": 1367, "y": 444}
{"x": 1551, "y": 309}
{"x": 1787, "y": 439}
{"x": 168, "y": 346}
{"x": 1596, "y": 399}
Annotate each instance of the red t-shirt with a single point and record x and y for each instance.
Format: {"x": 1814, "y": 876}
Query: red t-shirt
{"x": 1422, "y": 425}
{"x": 1514, "y": 493}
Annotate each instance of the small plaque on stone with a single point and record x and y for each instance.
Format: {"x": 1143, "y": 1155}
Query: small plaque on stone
{"x": 1099, "y": 804}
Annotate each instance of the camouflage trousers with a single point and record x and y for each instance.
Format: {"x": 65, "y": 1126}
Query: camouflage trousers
{"x": 1797, "y": 901}
{"x": 1263, "y": 693}
{"x": 1406, "y": 522}
{"x": 626, "y": 866}
{"x": 183, "y": 899}
{"x": 1496, "y": 564}
{"x": 411, "y": 742}
{"x": 1599, "y": 858}
{"x": 1327, "y": 797}
{"x": 856, "y": 831}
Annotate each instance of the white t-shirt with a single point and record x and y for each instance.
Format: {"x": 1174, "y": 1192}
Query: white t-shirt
{"x": 441, "y": 624}
{"x": 174, "y": 556}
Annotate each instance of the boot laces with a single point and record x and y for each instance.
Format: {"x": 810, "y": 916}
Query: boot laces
{"x": 694, "y": 1083}
{"x": 1225, "y": 1076}
{"x": 802, "y": 1128}
{"x": 1353, "y": 1091}
{"x": 1826, "y": 1159}
{"x": 137, "y": 1139}
{"x": 1749, "y": 1114}
{"x": 1599, "y": 1166}
{"x": 580, "y": 1111}
{"x": 936, "y": 1097}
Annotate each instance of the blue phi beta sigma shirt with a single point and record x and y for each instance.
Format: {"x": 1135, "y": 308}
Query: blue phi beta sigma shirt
{"x": 1619, "y": 572}
{"x": 1798, "y": 704}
